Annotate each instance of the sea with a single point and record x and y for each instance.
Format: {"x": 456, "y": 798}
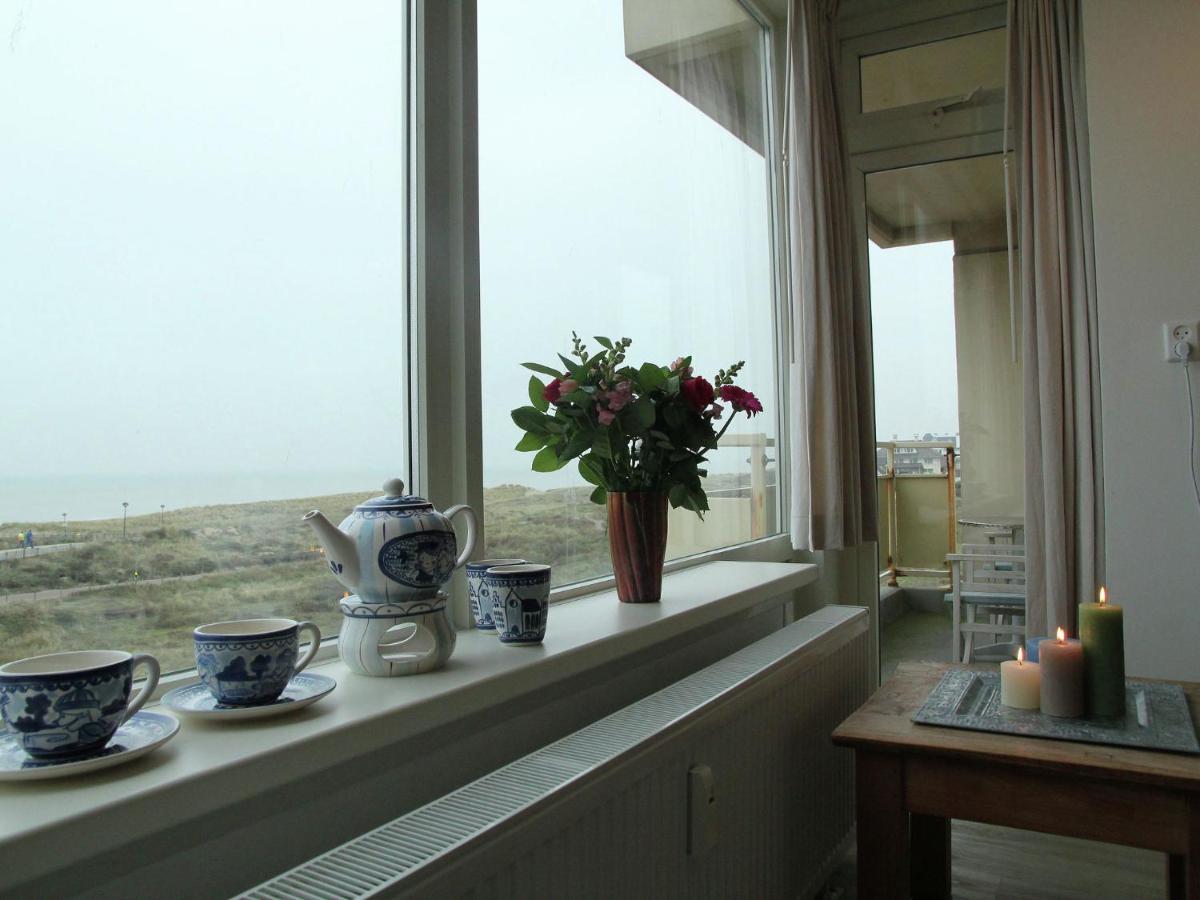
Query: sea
{"x": 44, "y": 498}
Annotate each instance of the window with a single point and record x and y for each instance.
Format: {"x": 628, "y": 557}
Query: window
{"x": 623, "y": 192}
{"x": 202, "y": 265}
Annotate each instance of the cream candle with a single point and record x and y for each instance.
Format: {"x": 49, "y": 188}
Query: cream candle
{"x": 1020, "y": 682}
{"x": 1062, "y": 676}
{"x": 1101, "y": 628}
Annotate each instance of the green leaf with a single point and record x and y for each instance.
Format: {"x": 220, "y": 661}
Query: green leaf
{"x": 602, "y": 445}
{"x": 576, "y": 371}
{"x": 547, "y": 460}
{"x": 555, "y": 427}
{"x": 672, "y": 385}
{"x": 699, "y": 500}
{"x": 599, "y": 496}
{"x": 651, "y": 376}
{"x": 536, "y": 390}
{"x": 675, "y": 415}
{"x": 678, "y": 495}
{"x": 603, "y": 342}
{"x": 644, "y": 412}
{"x": 579, "y": 398}
{"x": 590, "y": 470}
{"x": 530, "y": 442}
{"x": 580, "y": 442}
{"x": 530, "y": 419}
{"x": 545, "y": 370}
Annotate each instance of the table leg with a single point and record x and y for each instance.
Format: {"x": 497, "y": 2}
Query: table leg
{"x": 1176, "y": 876}
{"x": 882, "y": 826}
{"x": 930, "y": 857}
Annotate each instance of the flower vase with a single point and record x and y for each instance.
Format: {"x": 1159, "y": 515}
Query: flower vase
{"x": 637, "y": 539}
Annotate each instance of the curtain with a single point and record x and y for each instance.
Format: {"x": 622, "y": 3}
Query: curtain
{"x": 1064, "y": 530}
{"x": 832, "y": 417}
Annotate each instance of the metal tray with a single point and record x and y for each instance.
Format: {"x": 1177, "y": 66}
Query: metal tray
{"x": 1156, "y": 714}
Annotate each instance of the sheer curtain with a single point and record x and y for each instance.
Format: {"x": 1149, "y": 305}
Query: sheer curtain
{"x": 1064, "y": 530}
{"x": 833, "y": 416}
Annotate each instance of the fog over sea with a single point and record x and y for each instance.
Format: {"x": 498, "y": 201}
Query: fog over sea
{"x": 44, "y": 498}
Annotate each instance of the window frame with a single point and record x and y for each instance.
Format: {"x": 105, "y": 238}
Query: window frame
{"x": 448, "y": 449}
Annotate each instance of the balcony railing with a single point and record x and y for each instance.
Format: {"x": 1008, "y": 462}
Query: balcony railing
{"x": 917, "y": 508}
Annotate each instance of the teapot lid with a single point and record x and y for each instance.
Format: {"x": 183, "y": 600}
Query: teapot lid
{"x": 393, "y": 497}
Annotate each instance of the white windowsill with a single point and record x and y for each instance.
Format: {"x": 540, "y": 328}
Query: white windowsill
{"x": 366, "y": 714}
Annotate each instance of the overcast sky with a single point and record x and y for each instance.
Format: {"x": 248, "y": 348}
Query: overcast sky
{"x": 201, "y": 251}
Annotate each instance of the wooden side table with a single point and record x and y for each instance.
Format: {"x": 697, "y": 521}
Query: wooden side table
{"x": 913, "y": 779}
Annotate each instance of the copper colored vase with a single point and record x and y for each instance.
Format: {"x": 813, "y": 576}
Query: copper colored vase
{"x": 637, "y": 538}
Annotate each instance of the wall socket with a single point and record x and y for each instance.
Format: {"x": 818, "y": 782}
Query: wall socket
{"x": 1173, "y": 333}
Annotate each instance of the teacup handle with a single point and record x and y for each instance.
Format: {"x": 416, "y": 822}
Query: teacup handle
{"x": 312, "y": 648}
{"x": 140, "y": 659}
{"x": 472, "y": 527}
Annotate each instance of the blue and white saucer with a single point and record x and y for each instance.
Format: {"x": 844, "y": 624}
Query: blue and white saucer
{"x": 142, "y": 733}
{"x": 197, "y": 701}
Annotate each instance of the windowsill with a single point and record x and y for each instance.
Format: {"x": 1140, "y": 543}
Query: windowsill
{"x": 208, "y": 765}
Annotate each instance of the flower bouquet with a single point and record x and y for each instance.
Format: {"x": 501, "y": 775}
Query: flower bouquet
{"x": 640, "y": 435}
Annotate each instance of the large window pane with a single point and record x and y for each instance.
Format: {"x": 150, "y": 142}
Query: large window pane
{"x": 623, "y": 192}
{"x": 201, "y": 259}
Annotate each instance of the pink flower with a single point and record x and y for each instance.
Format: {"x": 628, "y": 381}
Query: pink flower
{"x": 697, "y": 392}
{"x": 678, "y": 367}
{"x": 553, "y": 391}
{"x": 619, "y": 397}
{"x": 741, "y": 400}
{"x": 568, "y": 386}
{"x": 713, "y": 412}
{"x": 606, "y": 416}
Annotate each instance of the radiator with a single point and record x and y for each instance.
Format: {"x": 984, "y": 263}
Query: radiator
{"x": 724, "y": 784}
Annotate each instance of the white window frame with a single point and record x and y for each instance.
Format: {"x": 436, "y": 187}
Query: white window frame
{"x": 444, "y": 374}
{"x": 445, "y": 371}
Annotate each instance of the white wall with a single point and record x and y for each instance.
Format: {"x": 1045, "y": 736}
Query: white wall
{"x": 1143, "y": 85}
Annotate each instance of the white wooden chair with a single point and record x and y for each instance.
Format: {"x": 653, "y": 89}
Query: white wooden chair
{"x": 987, "y": 593}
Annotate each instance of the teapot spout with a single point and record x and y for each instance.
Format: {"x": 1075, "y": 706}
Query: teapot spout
{"x": 340, "y": 552}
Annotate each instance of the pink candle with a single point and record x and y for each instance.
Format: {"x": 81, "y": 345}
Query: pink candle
{"x": 1062, "y": 676}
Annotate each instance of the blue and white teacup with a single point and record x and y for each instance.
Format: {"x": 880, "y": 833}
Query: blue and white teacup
{"x": 71, "y": 704}
{"x": 251, "y": 661}
{"x": 481, "y": 601}
{"x": 520, "y": 601}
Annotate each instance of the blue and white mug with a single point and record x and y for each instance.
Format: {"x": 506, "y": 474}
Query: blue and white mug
{"x": 520, "y": 601}
{"x": 70, "y": 704}
{"x": 251, "y": 661}
{"x": 481, "y": 600}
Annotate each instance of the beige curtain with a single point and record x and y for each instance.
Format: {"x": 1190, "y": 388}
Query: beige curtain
{"x": 832, "y": 415}
{"x": 1064, "y": 522}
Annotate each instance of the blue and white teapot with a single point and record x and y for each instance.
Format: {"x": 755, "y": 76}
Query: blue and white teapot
{"x": 395, "y": 549}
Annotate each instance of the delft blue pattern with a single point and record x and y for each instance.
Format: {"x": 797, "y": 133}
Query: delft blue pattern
{"x": 246, "y": 671}
{"x": 58, "y": 715}
{"x": 357, "y": 610}
{"x": 140, "y": 731}
{"x": 519, "y": 620}
{"x": 481, "y": 602}
{"x": 422, "y": 560}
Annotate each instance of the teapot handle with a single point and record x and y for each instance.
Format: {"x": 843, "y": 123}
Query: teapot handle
{"x": 472, "y": 526}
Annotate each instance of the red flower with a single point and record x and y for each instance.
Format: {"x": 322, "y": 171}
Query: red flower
{"x": 697, "y": 392}
{"x": 740, "y": 400}
{"x": 553, "y": 391}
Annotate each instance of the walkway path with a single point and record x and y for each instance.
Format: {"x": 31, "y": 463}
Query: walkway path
{"x": 38, "y": 550}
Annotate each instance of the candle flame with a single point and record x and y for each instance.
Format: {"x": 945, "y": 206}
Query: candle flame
{"x": 1020, "y": 656}
{"x": 1103, "y": 596}
{"x": 1060, "y": 635}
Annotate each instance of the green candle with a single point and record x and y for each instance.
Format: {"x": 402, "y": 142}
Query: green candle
{"x": 1101, "y": 629}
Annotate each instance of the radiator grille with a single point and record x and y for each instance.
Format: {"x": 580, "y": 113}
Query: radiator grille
{"x": 784, "y": 752}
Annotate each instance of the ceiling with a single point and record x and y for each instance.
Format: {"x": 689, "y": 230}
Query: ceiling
{"x": 926, "y": 203}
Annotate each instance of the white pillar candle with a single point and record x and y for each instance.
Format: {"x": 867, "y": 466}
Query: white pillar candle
{"x": 1062, "y": 676}
{"x": 1020, "y": 682}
